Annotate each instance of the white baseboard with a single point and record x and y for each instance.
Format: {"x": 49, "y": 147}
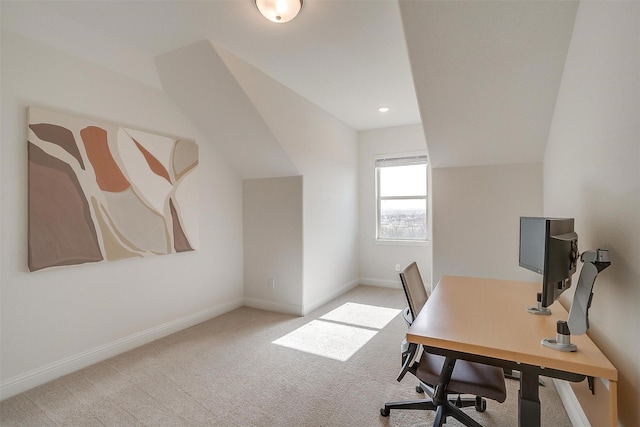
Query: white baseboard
{"x": 302, "y": 310}
{"x": 310, "y": 307}
{"x": 383, "y": 283}
{"x": 571, "y": 405}
{"x": 44, "y": 374}
{"x": 274, "y": 306}
{"x": 36, "y": 377}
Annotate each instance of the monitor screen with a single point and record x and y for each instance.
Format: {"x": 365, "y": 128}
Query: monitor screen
{"x": 533, "y": 234}
{"x": 549, "y": 246}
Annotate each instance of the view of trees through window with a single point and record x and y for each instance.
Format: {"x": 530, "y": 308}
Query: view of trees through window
{"x": 402, "y": 198}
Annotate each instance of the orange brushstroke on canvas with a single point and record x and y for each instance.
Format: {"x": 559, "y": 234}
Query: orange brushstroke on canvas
{"x": 108, "y": 175}
{"x": 154, "y": 164}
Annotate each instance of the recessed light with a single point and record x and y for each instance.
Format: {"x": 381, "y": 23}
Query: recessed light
{"x": 384, "y": 109}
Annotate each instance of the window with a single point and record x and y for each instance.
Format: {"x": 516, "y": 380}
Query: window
{"x": 401, "y": 193}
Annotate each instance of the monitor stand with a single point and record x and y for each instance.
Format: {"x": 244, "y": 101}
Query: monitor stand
{"x": 562, "y": 342}
{"x": 539, "y": 309}
{"x": 594, "y": 263}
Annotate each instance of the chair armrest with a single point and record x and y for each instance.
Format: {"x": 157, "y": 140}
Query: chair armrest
{"x": 408, "y": 358}
{"x": 406, "y": 313}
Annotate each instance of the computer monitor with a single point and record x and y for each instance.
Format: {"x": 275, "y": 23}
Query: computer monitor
{"x": 549, "y": 246}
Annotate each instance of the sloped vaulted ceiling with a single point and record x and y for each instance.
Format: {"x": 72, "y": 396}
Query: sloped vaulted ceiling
{"x": 487, "y": 74}
{"x": 203, "y": 87}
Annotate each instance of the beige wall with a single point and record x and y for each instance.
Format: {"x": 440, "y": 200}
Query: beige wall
{"x": 476, "y": 214}
{"x": 273, "y": 237}
{"x": 592, "y": 173}
{"x": 325, "y": 152}
{"x": 55, "y": 321}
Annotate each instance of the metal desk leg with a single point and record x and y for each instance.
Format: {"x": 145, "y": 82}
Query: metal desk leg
{"x": 528, "y": 400}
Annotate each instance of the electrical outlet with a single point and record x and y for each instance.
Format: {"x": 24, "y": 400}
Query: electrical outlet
{"x": 271, "y": 283}
{"x": 398, "y": 268}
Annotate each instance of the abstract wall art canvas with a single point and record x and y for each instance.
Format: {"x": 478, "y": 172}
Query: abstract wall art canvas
{"x": 103, "y": 192}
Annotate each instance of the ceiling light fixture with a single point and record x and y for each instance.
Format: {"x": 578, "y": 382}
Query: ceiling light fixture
{"x": 384, "y": 109}
{"x": 279, "y": 11}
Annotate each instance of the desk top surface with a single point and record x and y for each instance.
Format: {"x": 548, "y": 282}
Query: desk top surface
{"x": 488, "y": 317}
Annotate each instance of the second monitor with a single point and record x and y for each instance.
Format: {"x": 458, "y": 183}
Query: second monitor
{"x": 549, "y": 246}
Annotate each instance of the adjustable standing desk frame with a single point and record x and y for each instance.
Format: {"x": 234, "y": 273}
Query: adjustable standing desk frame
{"x": 485, "y": 320}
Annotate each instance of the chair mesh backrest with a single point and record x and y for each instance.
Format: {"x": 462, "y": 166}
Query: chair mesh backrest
{"x": 413, "y": 288}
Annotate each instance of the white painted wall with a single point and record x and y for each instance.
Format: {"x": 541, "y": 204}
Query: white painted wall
{"x": 592, "y": 173}
{"x": 56, "y": 321}
{"x": 202, "y": 86}
{"x": 325, "y": 151}
{"x": 40, "y": 22}
{"x": 476, "y": 219}
{"x": 330, "y": 217}
{"x": 273, "y": 238}
{"x": 378, "y": 260}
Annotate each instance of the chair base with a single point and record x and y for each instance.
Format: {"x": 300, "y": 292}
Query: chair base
{"x": 450, "y": 408}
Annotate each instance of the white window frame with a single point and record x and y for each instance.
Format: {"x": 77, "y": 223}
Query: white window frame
{"x": 405, "y": 159}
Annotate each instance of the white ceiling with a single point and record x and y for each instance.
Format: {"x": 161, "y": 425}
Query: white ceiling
{"x": 486, "y": 73}
{"x": 346, "y": 56}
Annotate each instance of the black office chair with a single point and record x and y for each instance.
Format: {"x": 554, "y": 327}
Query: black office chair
{"x": 443, "y": 378}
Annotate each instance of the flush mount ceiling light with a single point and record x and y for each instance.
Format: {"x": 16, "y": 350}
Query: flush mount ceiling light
{"x": 279, "y": 11}
{"x": 384, "y": 109}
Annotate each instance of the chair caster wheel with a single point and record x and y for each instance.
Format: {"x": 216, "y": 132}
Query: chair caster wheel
{"x": 384, "y": 412}
{"x": 481, "y": 404}
{"x": 419, "y": 389}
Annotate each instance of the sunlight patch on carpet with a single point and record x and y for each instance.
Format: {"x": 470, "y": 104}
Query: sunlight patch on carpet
{"x": 340, "y": 333}
{"x": 369, "y": 316}
{"x": 327, "y": 339}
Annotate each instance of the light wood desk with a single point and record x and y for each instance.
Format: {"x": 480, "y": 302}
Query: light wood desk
{"x": 485, "y": 320}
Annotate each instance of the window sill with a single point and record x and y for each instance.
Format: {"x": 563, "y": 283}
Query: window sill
{"x": 402, "y": 242}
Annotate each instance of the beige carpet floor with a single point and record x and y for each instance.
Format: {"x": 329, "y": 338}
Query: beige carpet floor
{"x": 228, "y": 372}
